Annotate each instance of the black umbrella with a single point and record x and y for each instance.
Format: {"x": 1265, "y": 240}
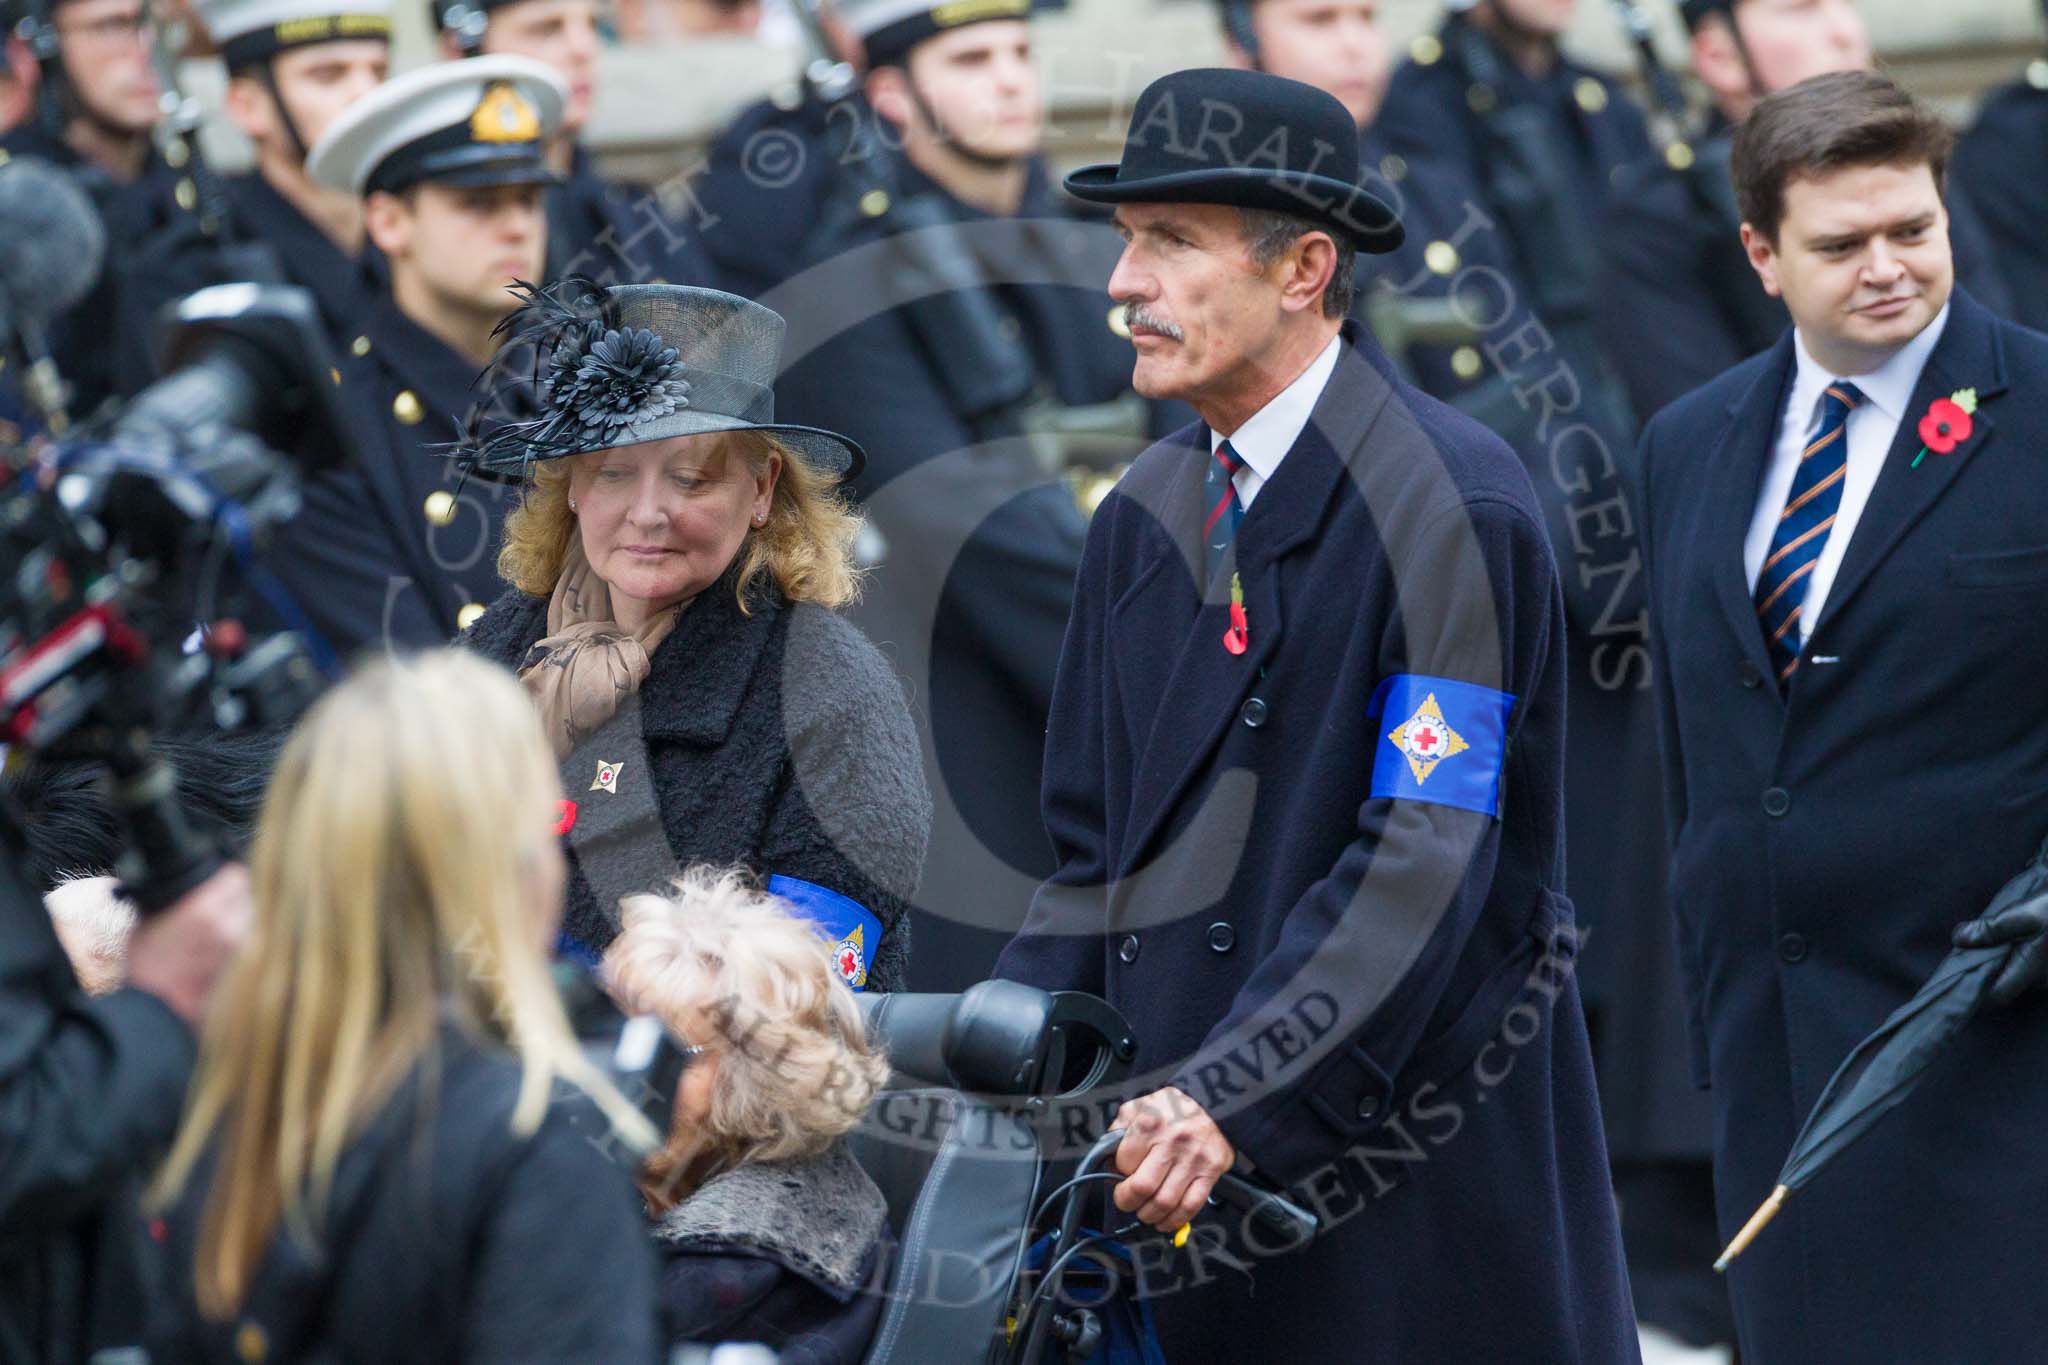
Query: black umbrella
{"x": 1883, "y": 1069}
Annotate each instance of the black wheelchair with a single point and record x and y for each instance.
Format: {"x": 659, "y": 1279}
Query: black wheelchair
{"x": 957, "y": 1146}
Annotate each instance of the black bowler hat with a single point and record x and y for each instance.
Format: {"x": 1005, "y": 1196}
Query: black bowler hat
{"x": 1247, "y": 139}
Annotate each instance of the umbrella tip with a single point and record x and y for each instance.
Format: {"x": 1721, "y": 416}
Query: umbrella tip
{"x": 1757, "y": 1221}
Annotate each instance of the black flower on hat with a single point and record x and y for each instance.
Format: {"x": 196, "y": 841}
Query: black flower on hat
{"x": 624, "y": 378}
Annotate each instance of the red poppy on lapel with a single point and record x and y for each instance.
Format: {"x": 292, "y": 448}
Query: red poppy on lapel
{"x": 565, "y": 817}
{"x": 1947, "y": 424}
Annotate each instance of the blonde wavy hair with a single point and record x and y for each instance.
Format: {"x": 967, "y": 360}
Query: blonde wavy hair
{"x": 393, "y": 879}
{"x": 806, "y": 546}
{"x": 728, "y": 966}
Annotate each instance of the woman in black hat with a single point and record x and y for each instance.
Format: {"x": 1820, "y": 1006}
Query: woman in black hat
{"x": 675, "y": 570}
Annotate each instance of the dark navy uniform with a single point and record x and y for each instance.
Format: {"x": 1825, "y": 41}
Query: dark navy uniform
{"x": 616, "y": 232}
{"x": 384, "y": 551}
{"x": 264, "y": 238}
{"x": 1371, "y": 993}
{"x": 971, "y": 486}
{"x": 1533, "y": 160}
{"x": 767, "y": 181}
{"x": 368, "y": 561}
{"x": 1998, "y": 167}
{"x": 133, "y": 213}
{"x": 1830, "y": 836}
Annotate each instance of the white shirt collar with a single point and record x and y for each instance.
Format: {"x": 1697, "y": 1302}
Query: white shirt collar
{"x": 1888, "y": 388}
{"x": 1268, "y": 434}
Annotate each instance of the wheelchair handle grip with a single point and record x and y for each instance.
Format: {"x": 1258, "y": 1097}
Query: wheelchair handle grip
{"x": 1276, "y": 1212}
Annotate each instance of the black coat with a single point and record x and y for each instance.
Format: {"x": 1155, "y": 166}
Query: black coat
{"x": 448, "y": 1238}
{"x": 1339, "y": 977}
{"x": 361, "y": 559}
{"x": 90, "y": 1094}
{"x": 792, "y": 1254}
{"x": 1827, "y": 841}
{"x": 979, "y": 540}
{"x": 1997, "y": 166}
{"x": 777, "y": 741}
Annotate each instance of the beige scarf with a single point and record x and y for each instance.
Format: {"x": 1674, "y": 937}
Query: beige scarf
{"x": 587, "y": 662}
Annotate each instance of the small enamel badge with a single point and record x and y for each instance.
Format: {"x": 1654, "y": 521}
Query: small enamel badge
{"x": 607, "y": 777}
{"x": 1238, "y": 636}
{"x": 1425, "y": 739}
{"x": 850, "y": 957}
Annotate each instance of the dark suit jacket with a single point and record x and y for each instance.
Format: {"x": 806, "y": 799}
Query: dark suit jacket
{"x": 1826, "y": 841}
{"x": 1326, "y": 971}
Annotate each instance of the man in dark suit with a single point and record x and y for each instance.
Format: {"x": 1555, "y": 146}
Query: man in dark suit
{"x": 1303, "y": 776}
{"x": 1678, "y": 304}
{"x": 1847, "y": 584}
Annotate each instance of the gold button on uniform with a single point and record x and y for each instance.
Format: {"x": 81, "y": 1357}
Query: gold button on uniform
{"x": 440, "y": 507}
{"x": 187, "y": 195}
{"x": 1120, "y": 321}
{"x": 1591, "y": 95}
{"x": 176, "y": 154}
{"x": 1465, "y": 363}
{"x": 1440, "y": 257}
{"x": 467, "y": 617}
{"x": 1426, "y": 50}
{"x": 1678, "y": 156}
{"x": 406, "y": 408}
{"x": 252, "y": 1343}
{"x": 875, "y": 203}
{"x": 1394, "y": 167}
{"x": 359, "y": 347}
{"x": 1481, "y": 99}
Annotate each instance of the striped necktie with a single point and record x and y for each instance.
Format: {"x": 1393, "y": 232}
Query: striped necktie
{"x": 1803, "y": 527}
{"x": 1219, "y": 528}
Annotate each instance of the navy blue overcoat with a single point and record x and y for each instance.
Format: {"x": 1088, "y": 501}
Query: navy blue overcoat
{"x": 1373, "y": 995}
{"x": 1827, "y": 840}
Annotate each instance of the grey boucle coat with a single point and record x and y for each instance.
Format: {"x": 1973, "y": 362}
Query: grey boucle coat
{"x": 775, "y": 739}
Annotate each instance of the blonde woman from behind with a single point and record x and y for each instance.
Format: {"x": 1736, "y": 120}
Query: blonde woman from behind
{"x": 393, "y": 1149}
{"x": 768, "y": 1229}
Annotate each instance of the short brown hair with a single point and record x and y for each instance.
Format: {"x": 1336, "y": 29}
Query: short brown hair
{"x": 1827, "y": 124}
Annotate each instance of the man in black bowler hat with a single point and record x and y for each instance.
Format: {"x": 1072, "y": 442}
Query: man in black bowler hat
{"x": 1303, "y": 779}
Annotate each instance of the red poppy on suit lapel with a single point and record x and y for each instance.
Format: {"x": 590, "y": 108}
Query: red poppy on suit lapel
{"x": 565, "y": 817}
{"x": 1947, "y": 424}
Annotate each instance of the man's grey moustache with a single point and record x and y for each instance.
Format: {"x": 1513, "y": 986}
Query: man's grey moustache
{"x": 1139, "y": 318}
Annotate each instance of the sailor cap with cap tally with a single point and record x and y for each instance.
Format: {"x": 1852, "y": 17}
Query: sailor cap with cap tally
{"x": 479, "y": 121}
{"x": 249, "y": 32}
{"x": 889, "y": 29}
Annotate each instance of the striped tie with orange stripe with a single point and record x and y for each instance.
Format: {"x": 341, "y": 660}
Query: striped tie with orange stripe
{"x": 1803, "y": 527}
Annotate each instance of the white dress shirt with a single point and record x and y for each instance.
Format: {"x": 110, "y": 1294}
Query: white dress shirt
{"x": 1268, "y": 434}
{"x": 1870, "y": 429}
